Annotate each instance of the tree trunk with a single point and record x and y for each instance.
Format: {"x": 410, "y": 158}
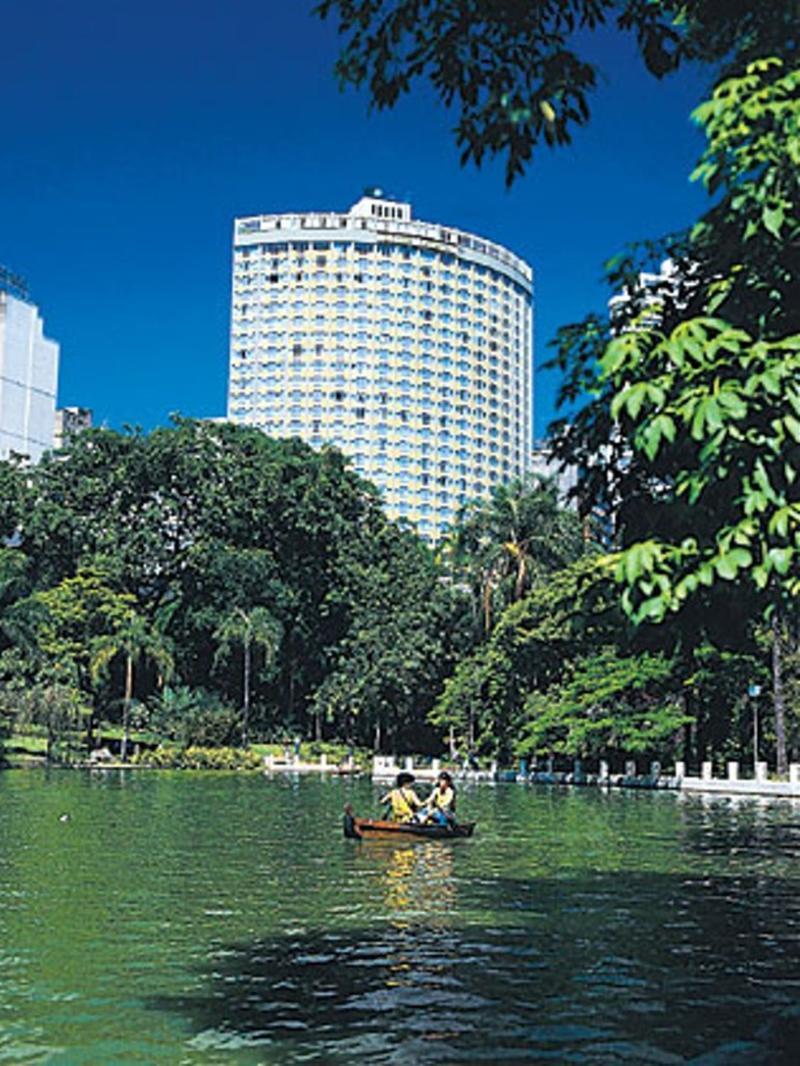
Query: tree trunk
{"x": 126, "y": 706}
{"x": 778, "y": 698}
{"x": 318, "y": 724}
{"x": 377, "y": 743}
{"x": 519, "y": 588}
{"x": 291, "y": 690}
{"x": 487, "y": 608}
{"x": 90, "y": 732}
{"x": 246, "y": 693}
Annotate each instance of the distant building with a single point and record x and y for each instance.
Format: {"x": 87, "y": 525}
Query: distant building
{"x": 70, "y": 421}
{"x": 642, "y": 306}
{"x": 564, "y": 479}
{"x": 28, "y": 374}
{"x": 407, "y": 344}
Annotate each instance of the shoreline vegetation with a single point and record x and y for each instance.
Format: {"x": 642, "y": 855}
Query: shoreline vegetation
{"x": 170, "y": 627}
{"x": 213, "y": 587}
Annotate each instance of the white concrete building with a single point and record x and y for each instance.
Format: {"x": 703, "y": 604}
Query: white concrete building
{"x": 642, "y": 306}
{"x": 69, "y": 422}
{"x": 565, "y": 478}
{"x": 407, "y": 344}
{"x": 28, "y": 374}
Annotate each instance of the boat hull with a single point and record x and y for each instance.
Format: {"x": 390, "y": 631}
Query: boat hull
{"x": 371, "y": 829}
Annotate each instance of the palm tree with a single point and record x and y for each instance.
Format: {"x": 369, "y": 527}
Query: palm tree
{"x": 256, "y": 626}
{"x": 510, "y": 539}
{"x": 134, "y": 638}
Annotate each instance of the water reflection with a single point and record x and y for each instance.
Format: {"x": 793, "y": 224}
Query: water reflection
{"x": 417, "y": 878}
{"x": 590, "y": 970}
{"x": 755, "y": 828}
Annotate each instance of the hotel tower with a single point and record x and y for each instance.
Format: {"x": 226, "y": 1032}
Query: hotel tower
{"x": 407, "y": 344}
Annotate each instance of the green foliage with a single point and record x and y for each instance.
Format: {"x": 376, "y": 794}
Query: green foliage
{"x": 56, "y": 627}
{"x": 714, "y": 404}
{"x": 606, "y": 703}
{"x": 728, "y": 406}
{"x": 505, "y": 544}
{"x": 198, "y": 758}
{"x": 257, "y": 628}
{"x": 193, "y": 718}
{"x": 387, "y": 670}
{"x": 6, "y": 724}
{"x": 691, "y": 434}
{"x": 483, "y": 703}
{"x": 13, "y": 576}
{"x": 513, "y": 71}
{"x": 747, "y": 244}
{"x": 142, "y": 554}
{"x": 56, "y": 706}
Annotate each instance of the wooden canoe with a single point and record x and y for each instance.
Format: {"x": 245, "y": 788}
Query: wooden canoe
{"x": 372, "y": 829}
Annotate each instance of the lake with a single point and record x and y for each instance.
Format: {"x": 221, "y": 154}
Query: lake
{"x": 221, "y": 918}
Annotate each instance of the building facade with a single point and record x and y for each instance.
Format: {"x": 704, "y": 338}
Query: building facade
{"x": 564, "y": 478}
{"x": 69, "y": 422}
{"x": 641, "y": 307}
{"x": 406, "y": 344}
{"x": 28, "y": 374}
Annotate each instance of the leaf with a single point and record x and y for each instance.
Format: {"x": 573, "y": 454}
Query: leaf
{"x": 773, "y": 219}
{"x": 548, "y": 113}
{"x": 729, "y": 564}
{"x": 781, "y": 559}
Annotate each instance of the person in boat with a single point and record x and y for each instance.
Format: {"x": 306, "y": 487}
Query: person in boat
{"x": 440, "y": 806}
{"x": 402, "y": 799}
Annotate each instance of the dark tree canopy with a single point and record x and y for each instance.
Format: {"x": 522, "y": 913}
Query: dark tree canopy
{"x": 514, "y": 70}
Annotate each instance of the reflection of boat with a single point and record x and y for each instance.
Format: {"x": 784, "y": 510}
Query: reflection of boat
{"x": 370, "y": 829}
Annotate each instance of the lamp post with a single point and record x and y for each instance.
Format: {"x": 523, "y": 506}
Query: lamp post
{"x": 754, "y": 691}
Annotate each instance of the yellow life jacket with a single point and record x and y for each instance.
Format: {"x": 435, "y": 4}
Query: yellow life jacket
{"x": 442, "y": 800}
{"x": 404, "y": 804}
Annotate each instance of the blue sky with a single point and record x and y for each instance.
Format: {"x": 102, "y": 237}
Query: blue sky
{"x": 133, "y": 133}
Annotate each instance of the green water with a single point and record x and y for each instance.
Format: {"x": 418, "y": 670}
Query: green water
{"x": 223, "y": 919}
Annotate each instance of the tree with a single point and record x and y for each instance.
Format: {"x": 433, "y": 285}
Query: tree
{"x": 13, "y": 575}
{"x": 606, "y": 703}
{"x": 185, "y": 524}
{"x": 504, "y": 544}
{"x": 248, "y": 628}
{"x": 133, "y": 638}
{"x": 52, "y": 631}
{"x": 483, "y": 702}
{"x": 52, "y": 702}
{"x": 193, "y": 718}
{"x": 717, "y": 405}
{"x": 512, "y": 69}
{"x": 399, "y": 646}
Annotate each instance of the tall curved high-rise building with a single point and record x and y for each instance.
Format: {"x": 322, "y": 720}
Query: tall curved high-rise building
{"x": 407, "y": 344}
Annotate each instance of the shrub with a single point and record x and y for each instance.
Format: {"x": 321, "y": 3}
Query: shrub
{"x": 194, "y": 718}
{"x": 198, "y": 758}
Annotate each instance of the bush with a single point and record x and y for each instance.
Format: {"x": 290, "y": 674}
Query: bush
{"x": 198, "y": 758}
{"x": 194, "y": 718}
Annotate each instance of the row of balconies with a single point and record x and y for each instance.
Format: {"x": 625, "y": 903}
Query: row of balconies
{"x": 439, "y": 448}
{"x": 397, "y": 376}
{"x": 399, "y": 417}
{"x": 332, "y": 287}
{"x": 370, "y": 270}
{"x": 456, "y": 328}
{"x": 400, "y": 374}
{"x": 393, "y": 287}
